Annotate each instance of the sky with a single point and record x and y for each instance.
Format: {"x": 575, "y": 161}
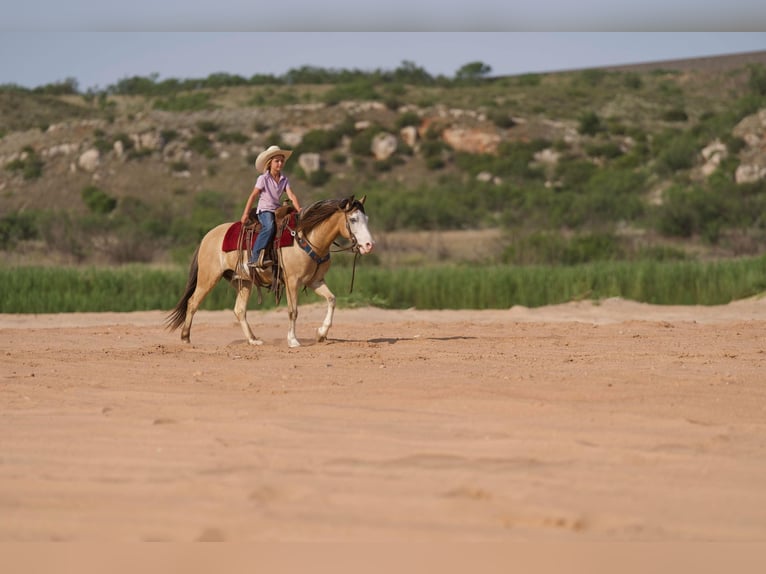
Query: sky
{"x": 384, "y": 15}
{"x": 99, "y": 59}
{"x": 98, "y": 43}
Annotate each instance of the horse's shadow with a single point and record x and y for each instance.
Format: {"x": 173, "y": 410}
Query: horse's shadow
{"x": 377, "y": 341}
{"x": 395, "y": 340}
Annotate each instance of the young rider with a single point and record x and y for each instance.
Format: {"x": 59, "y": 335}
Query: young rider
{"x": 269, "y": 186}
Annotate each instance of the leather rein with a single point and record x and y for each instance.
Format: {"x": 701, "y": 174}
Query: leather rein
{"x": 306, "y": 245}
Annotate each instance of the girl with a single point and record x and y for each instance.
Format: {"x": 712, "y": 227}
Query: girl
{"x": 268, "y": 189}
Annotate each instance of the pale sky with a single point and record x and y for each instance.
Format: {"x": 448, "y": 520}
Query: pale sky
{"x": 100, "y": 59}
{"x": 385, "y": 15}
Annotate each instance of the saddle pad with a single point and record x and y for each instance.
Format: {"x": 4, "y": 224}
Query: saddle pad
{"x": 232, "y": 235}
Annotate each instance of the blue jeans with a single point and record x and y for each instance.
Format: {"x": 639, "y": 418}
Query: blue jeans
{"x": 266, "y": 233}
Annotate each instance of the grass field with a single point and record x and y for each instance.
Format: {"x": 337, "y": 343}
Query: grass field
{"x": 137, "y": 288}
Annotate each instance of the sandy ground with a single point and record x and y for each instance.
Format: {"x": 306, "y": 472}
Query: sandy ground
{"x": 615, "y": 421}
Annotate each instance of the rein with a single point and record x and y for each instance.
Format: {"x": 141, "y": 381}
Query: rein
{"x": 306, "y": 245}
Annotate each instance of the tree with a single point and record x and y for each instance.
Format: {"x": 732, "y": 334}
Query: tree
{"x": 473, "y": 71}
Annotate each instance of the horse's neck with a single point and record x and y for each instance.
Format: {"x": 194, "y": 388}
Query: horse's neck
{"x": 322, "y": 236}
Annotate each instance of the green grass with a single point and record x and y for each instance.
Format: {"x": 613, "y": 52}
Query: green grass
{"x": 136, "y": 287}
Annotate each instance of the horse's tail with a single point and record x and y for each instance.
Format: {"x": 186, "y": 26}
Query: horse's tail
{"x": 177, "y": 317}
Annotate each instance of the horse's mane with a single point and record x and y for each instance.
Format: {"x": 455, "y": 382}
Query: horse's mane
{"x": 318, "y": 212}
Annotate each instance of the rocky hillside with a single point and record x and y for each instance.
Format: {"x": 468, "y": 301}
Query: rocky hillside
{"x": 517, "y": 140}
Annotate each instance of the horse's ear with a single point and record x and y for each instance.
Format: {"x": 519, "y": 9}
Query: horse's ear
{"x": 343, "y": 204}
{"x": 364, "y": 198}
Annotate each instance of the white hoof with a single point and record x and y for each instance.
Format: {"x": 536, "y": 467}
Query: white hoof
{"x": 255, "y": 342}
{"x": 292, "y": 343}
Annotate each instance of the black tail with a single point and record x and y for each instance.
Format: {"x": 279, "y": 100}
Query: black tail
{"x": 177, "y": 317}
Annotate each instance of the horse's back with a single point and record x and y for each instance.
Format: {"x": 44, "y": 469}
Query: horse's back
{"x": 211, "y": 253}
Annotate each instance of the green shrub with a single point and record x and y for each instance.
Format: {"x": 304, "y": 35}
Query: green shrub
{"x": 318, "y": 178}
{"x": 675, "y": 115}
{"x": 16, "y": 227}
{"x": 408, "y": 119}
{"x": 633, "y": 81}
{"x": 361, "y": 143}
{"x": 124, "y": 139}
{"x": 30, "y": 165}
{"x": 207, "y": 126}
{"x": 574, "y": 173}
{"x": 318, "y": 141}
{"x": 529, "y": 80}
{"x": 679, "y": 153}
{"x": 686, "y": 212}
{"x": 191, "y": 102}
{"x": 97, "y": 200}
{"x": 608, "y": 150}
{"x": 233, "y": 138}
{"x": 592, "y": 76}
{"x": 168, "y": 135}
{"x": 361, "y": 90}
{"x": 757, "y": 80}
{"x": 501, "y": 119}
{"x": 589, "y": 124}
{"x": 201, "y": 144}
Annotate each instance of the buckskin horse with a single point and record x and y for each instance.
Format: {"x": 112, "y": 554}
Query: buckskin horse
{"x": 304, "y": 262}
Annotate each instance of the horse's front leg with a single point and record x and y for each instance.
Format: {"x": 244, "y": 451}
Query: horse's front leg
{"x": 323, "y": 290}
{"x": 291, "y": 290}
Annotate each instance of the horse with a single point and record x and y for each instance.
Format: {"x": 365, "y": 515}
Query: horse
{"x": 304, "y": 262}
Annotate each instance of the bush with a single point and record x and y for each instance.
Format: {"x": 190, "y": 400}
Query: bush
{"x": 757, "y": 81}
{"x": 501, "y": 119}
{"x": 318, "y": 141}
{"x": 361, "y": 143}
{"x": 589, "y": 124}
{"x": 633, "y": 81}
{"x": 30, "y": 166}
{"x": 675, "y": 115}
{"x": 97, "y": 200}
{"x": 359, "y": 90}
{"x": 678, "y": 154}
{"x": 608, "y": 150}
{"x": 408, "y": 119}
{"x": 168, "y": 135}
{"x": 201, "y": 144}
{"x": 693, "y": 211}
{"x": 207, "y": 126}
{"x": 233, "y": 138}
{"x": 318, "y": 178}
{"x": 195, "y": 101}
{"x": 17, "y": 227}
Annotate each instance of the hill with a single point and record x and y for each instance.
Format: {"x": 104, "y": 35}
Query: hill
{"x": 659, "y": 160}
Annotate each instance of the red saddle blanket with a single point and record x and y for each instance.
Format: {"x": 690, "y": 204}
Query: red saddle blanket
{"x": 232, "y": 236}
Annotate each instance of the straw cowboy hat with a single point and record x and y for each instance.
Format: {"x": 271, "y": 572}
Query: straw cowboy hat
{"x": 264, "y": 157}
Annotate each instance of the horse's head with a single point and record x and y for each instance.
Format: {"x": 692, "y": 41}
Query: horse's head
{"x": 356, "y": 224}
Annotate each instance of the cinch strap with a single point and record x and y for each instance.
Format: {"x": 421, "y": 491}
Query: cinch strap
{"x": 313, "y": 254}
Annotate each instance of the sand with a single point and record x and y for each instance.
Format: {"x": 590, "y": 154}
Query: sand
{"x": 615, "y": 421}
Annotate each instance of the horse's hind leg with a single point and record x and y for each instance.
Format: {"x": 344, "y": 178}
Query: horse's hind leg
{"x": 240, "y": 309}
{"x": 205, "y": 284}
{"x": 323, "y": 290}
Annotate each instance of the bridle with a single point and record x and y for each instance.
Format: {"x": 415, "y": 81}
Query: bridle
{"x": 308, "y": 247}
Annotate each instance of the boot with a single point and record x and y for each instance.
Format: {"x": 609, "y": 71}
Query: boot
{"x": 262, "y": 262}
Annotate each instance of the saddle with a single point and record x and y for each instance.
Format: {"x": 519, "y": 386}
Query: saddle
{"x": 238, "y": 238}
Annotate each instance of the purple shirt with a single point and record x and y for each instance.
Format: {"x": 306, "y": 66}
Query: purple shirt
{"x": 271, "y": 191}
